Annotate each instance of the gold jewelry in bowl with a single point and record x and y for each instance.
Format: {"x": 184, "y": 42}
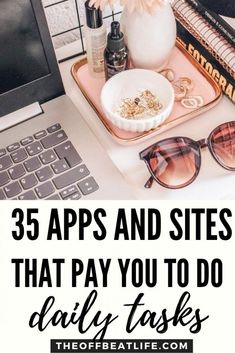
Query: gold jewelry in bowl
{"x": 146, "y": 104}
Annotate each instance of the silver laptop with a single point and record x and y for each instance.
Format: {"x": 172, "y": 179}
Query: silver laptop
{"x": 46, "y": 149}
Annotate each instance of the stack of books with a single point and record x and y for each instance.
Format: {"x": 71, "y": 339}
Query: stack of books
{"x": 210, "y": 40}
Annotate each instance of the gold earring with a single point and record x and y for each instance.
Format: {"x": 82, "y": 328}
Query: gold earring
{"x": 168, "y": 74}
{"x": 180, "y": 92}
{"x": 192, "y": 102}
{"x": 184, "y": 83}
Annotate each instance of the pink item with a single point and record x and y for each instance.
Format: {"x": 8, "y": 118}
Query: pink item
{"x": 182, "y": 67}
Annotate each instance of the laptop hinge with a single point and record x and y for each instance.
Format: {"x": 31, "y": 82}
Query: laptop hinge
{"x": 20, "y": 115}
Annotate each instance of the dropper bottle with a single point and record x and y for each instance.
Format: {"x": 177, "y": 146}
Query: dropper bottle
{"x": 116, "y": 53}
{"x": 95, "y": 34}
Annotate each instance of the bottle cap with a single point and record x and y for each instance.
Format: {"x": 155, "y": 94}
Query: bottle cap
{"x": 94, "y": 17}
{"x": 115, "y": 37}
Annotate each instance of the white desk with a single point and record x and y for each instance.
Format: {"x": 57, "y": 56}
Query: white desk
{"x": 213, "y": 181}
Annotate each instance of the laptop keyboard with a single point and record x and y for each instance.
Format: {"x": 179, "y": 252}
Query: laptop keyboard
{"x": 44, "y": 166}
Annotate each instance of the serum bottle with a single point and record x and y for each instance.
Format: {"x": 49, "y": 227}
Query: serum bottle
{"x": 95, "y": 34}
{"x": 116, "y": 53}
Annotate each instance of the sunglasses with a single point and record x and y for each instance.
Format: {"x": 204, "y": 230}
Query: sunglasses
{"x": 175, "y": 162}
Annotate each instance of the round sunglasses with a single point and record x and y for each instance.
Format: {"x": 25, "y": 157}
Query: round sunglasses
{"x": 175, "y": 162}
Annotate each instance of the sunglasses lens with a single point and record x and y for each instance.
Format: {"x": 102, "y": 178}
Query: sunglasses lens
{"x": 223, "y": 145}
{"x": 175, "y": 162}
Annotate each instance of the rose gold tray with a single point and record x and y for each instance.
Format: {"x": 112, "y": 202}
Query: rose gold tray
{"x": 183, "y": 65}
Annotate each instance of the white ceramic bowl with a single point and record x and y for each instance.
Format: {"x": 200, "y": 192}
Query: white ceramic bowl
{"x": 129, "y": 84}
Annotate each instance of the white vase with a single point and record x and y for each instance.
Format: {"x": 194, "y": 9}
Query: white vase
{"x": 150, "y": 37}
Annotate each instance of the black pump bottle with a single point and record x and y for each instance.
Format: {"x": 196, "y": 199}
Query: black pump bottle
{"x": 116, "y": 53}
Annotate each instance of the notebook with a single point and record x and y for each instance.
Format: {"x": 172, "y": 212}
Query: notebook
{"x": 210, "y": 30}
{"x": 46, "y": 149}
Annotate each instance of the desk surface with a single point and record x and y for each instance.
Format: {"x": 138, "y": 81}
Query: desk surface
{"x": 213, "y": 181}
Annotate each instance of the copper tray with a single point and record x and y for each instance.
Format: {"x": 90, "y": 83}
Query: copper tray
{"x": 125, "y": 137}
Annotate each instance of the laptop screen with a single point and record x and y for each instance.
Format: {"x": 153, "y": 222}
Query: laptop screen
{"x": 28, "y": 68}
{"x": 24, "y": 57}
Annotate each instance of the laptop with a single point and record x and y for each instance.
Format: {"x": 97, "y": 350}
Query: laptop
{"x": 46, "y": 149}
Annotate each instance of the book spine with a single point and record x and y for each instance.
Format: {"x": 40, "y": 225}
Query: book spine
{"x": 215, "y": 20}
{"x": 207, "y": 61}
